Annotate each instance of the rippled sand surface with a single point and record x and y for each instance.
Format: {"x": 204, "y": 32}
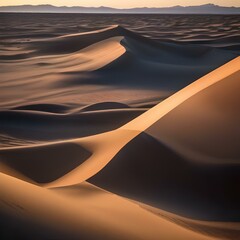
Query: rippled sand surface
{"x": 119, "y": 126}
{"x": 215, "y": 30}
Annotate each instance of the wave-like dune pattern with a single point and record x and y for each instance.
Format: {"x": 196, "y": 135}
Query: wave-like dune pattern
{"x": 56, "y": 78}
{"x": 86, "y": 153}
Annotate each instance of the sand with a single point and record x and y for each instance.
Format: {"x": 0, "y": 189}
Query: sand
{"x": 83, "y": 111}
{"x": 81, "y": 211}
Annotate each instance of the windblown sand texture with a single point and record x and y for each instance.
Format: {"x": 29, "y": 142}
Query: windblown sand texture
{"x": 108, "y": 134}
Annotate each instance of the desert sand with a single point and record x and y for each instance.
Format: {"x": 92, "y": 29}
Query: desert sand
{"x": 86, "y": 153}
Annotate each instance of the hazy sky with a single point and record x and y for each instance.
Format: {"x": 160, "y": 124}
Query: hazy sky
{"x": 122, "y": 3}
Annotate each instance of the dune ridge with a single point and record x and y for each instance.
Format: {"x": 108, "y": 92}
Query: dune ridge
{"x": 138, "y": 125}
{"x": 141, "y": 123}
{"x": 148, "y": 159}
{"x": 79, "y": 69}
{"x": 73, "y": 71}
{"x": 169, "y": 181}
{"x": 111, "y": 146}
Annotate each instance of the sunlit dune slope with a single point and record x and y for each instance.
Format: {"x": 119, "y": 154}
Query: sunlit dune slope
{"x": 154, "y": 159}
{"x": 105, "y": 146}
{"x": 80, "y": 109}
{"x": 82, "y": 211}
{"x": 59, "y": 88}
{"x": 147, "y": 168}
{"x": 186, "y": 159}
{"x": 112, "y": 64}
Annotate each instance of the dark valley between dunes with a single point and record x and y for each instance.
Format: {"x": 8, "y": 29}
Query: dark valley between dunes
{"x": 120, "y": 126}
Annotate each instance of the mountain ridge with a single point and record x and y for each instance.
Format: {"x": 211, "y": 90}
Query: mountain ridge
{"x": 47, "y": 8}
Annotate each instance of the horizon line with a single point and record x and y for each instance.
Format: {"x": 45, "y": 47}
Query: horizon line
{"x": 36, "y": 5}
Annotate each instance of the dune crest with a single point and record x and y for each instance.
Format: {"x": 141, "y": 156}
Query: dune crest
{"x": 115, "y": 140}
{"x": 112, "y": 64}
{"x": 105, "y": 146}
{"x": 186, "y": 158}
{"x": 151, "y": 125}
{"x": 147, "y": 119}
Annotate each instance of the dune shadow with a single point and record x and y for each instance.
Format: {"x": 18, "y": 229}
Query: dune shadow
{"x": 44, "y": 164}
{"x": 146, "y": 170}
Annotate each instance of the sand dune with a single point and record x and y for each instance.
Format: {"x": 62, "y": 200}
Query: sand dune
{"x": 112, "y": 64}
{"x": 82, "y": 114}
{"x": 140, "y": 124}
{"x": 215, "y": 183}
{"x": 148, "y": 160}
{"x": 222, "y": 230}
{"x": 143, "y": 122}
{"x": 82, "y": 211}
{"x": 31, "y": 126}
{"x": 70, "y": 72}
{"x": 179, "y": 28}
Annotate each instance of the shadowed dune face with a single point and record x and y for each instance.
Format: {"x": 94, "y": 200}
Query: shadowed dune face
{"x": 218, "y": 230}
{"x": 149, "y": 171}
{"x": 24, "y": 127}
{"x": 93, "y": 214}
{"x": 114, "y": 65}
{"x": 205, "y": 127}
{"x": 49, "y": 163}
{"x": 66, "y": 74}
{"x": 106, "y": 146}
{"x": 85, "y": 101}
{"x": 188, "y": 159}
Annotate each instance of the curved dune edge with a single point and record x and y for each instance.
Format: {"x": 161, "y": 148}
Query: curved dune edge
{"x": 112, "y": 64}
{"x": 90, "y": 58}
{"x": 142, "y": 122}
{"x": 91, "y": 32}
{"x": 105, "y": 146}
{"x": 56, "y": 208}
{"x": 51, "y": 127}
{"x": 81, "y": 211}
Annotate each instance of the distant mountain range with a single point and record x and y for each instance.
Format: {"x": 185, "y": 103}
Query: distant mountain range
{"x": 202, "y": 9}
